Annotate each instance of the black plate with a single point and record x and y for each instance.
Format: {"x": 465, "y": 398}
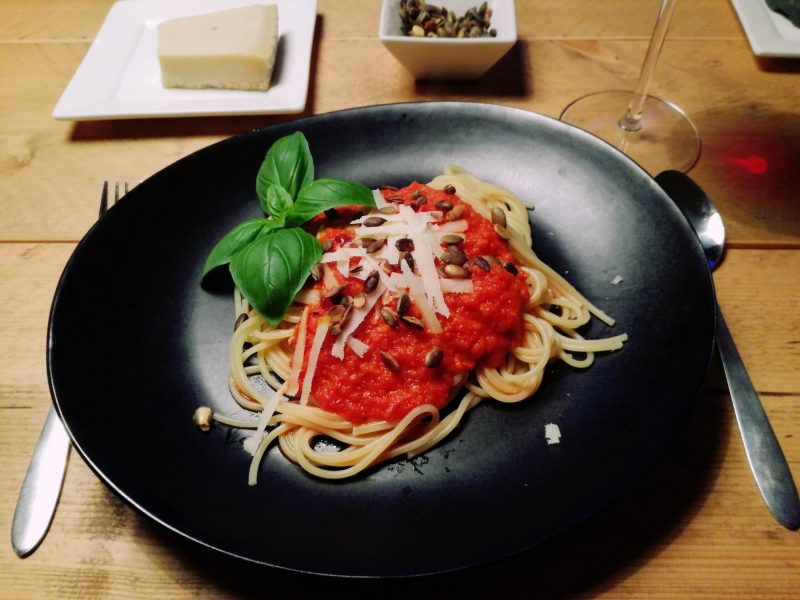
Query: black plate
{"x": 136, "y": 345}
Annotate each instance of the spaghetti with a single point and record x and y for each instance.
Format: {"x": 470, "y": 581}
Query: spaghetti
{"x": 436, "y": 291}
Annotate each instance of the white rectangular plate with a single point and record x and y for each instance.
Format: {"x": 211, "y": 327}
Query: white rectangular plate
{"x": 769, "y": 33}
{"x": 120, "y": 78}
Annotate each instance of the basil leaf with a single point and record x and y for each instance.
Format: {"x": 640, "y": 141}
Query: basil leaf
{"x": 234, "y": 241}
{"x": 322, "y": 194}
{"x": 272, "y": 268}
{"x": 288, "y": 163}
{"x": 277, "y": 202}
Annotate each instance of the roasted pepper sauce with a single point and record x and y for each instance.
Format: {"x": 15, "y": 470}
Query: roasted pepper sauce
{"x": 483, "y": 326}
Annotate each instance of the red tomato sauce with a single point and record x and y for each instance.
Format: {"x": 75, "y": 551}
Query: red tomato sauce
{"x": 483, "y": 326}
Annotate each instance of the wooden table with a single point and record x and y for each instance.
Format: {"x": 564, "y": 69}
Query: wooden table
{"x": 696, "y": 527}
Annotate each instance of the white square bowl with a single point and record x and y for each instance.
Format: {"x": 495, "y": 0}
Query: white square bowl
{"x": 449, "y": 58}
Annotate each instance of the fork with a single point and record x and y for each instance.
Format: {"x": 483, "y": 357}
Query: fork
{"x": 41, "y": 487}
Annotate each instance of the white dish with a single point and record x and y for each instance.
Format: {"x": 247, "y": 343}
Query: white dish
{"x": 449, "y": 58}
{"x": 120, "y": 78}
{"x": 769, "y": 32}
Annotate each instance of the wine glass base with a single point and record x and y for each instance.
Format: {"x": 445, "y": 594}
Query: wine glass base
{"x": 667, "y": 139}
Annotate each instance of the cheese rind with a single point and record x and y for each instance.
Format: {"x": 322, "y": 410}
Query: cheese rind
{"x": 231, "y": 49}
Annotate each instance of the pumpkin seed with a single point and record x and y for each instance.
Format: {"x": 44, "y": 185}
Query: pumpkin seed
{"x": 434, "y": 358}
{"x": 359, "y": 300}
{"x": 403, "y": 302}
{"x": 456, "y": 272}
{"x": 390, "y": 362}
{"x": 374, "y": 246}
{"x": 413, "y": 322}
{"x": 444, "y": 205}
{"x": 510, "y": 268}
{"x": 451, "y": 239}
{"x": 450, "y": 189}
{"x": 482, "y": 263}
{"x": 373, "y": 221}
{"x": 499, "y": 217}
{"x": 404, "y": 245}
{"x": 453, "y": 256}
{"x": 388, "y": 210}
{"x": 371, "y": 282}
{"x": 490, "y": 259}
{"x": 409, "y": 258}
{"x": 389, "y": 317}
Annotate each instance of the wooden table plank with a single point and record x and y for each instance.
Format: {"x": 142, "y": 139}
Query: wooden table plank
{"x": 37, "y": 20}
{"x": 745, "y": 174}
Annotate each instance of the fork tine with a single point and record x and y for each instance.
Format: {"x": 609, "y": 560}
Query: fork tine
{"x": 104, "y": 199}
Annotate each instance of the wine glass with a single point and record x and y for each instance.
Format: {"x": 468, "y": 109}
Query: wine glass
{"x": 655, "y": 133}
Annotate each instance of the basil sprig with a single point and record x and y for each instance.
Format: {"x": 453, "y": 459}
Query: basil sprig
{"x": 271, "y": 258}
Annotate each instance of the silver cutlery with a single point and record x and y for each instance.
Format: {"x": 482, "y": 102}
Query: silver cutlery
{"x": 41, "y": 487}
{"x": 769, "y": 466}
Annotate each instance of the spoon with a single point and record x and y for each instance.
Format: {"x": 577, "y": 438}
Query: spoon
{"x": 772, "y": 474}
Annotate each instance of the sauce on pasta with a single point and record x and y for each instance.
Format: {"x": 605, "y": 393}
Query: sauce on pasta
{"x": 482, "y": 328}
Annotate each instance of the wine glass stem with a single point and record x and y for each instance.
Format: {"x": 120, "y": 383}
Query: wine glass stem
{"x": 632, "y": 120}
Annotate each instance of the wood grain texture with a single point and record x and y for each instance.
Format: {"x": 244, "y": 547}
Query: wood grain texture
{"x": 696, "y": 527}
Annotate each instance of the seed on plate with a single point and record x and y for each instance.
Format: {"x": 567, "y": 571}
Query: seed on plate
{"x": 343, "y": 300}
{"x": 450, "y": 189}
{"x": 502, "y": 231}
{"x": 456, "y": 272}
{"x": 409, "y": 258}
{"x": 390, "y": 362}
{"x": 453, "y": 256}
{"x": 456, "y": 213}
{"x": 373, "y": 221}
{"x": 371, "y": 282}
{"x": 482, "y": 263}
{"x": 404, "y": 245}
{"x": 386, "y": 267}
{"x": 510, "y": 268}
{"x": 336, "y": 313}
{"x": 359, "y": 300}
{"x": 388, "y": 210}
{"x": 389, "y": 317}
{"x": 434, "y": 358}
{"x": 239, "y": 320}
{"x": 413, "y": 322}
{"x": 403, "y": 302}
{"x": 373, "y": 246}
{"x": 498, "y": 217}
{"x": 490, "y": 259}
{"x": 356, "y": 268}
{"x": 451, "y": 239}
{"x": 444, "y": 205}
{"x": 203, "y": 418}
{"x": 421, "y": 200}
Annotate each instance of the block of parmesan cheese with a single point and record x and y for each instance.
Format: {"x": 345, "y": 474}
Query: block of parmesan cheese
{"x": 232, "y": 49}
